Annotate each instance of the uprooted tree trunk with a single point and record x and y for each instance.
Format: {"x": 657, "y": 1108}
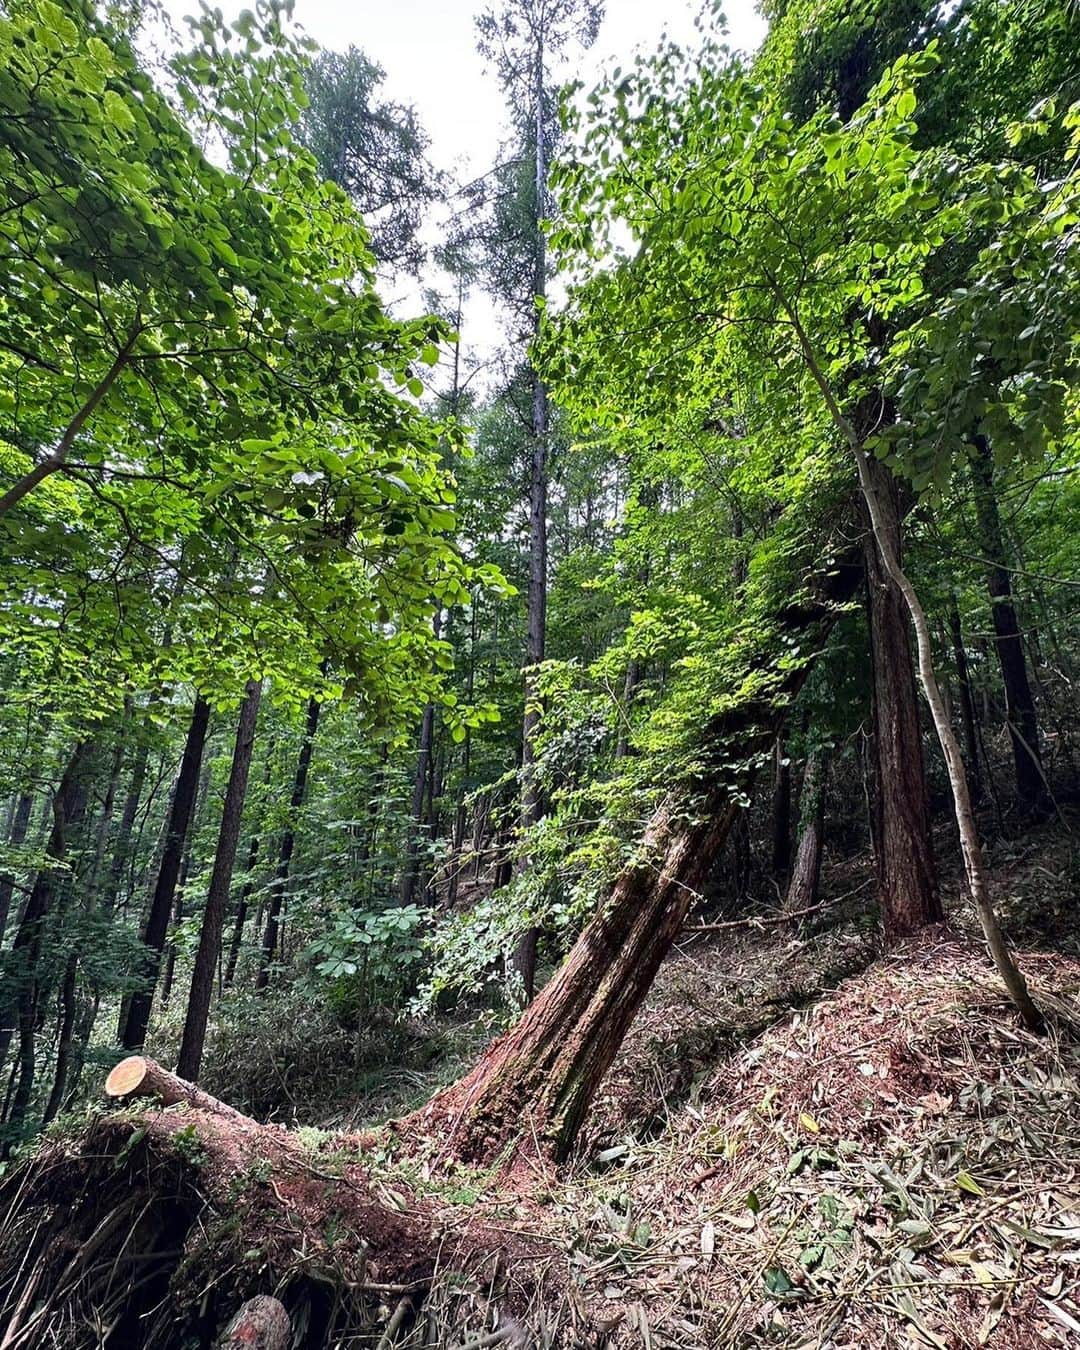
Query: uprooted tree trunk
{"x": 170, "y": 1223}
{"x": 535, "y": 1084}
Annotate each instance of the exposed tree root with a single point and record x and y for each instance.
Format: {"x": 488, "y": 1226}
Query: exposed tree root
{"x": 149, "y": 1229}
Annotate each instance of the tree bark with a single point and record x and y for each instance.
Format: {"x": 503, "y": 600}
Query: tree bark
{"x": 416, "y": 813}
{"x": 138, "y": 1076}
{"x": 781, "y": 813}
{"x": 1019, "y": 703}
{"x": 802, "y": 892}
{"x": 121, "y": 858}
{"x": 21, "y": 994}
{"x": 531, "y": 796}
{"x": 136, "y": 1018}
{"x": 249, "y": 881}
{"x": 206, "y": 957}
{"x": 65, "y": 1039}
{"x": 904, "y": 856}
{"x": 288, "y": 844}
{"x": 19, "y": 825}
{"x": 967, "y": 701}
{"x": 539, "y": 1079}
{"x": 970, "y": 843}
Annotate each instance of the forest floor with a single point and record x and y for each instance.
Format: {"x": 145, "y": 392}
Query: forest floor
{"x": 804, "y": 1143}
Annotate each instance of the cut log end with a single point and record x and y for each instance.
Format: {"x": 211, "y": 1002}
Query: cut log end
{"x": 127, "y": 1077}
{"x": 261, "y": 1324}
{"x": 138, "y": 1076}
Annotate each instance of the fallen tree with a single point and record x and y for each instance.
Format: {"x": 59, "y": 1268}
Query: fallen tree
{"x": 176, "y": 1220}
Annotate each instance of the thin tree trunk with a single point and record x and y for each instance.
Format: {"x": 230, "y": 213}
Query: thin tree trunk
{"x": 1019, "y": 703}
{"x": 65, "y": 1044}
{"x": 249, "y": 881}
{"x": 781, "y": 812}
{"x": 904, "y": 855}
{"x": 531, "y": 796}
{"x": 421, "y": 778}
{"x": 132, "y": 1031}
{"x": 19, "y": 826}
{"x": 630, "y": 686}
{"x": 970, "y": 844}
{"x": 65, "y": 1038}
{"x": 288, "y": 843}
{"x": 802, "y": 891}
{"x": 206, "y": 957}
{"x": 122, "y": 851}
{"x": 21, "y": 996}
{"x": 242, "y": 909}
{"x": 967, "y": 701}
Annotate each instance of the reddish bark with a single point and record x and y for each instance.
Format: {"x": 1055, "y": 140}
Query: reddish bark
{"x": 907, "y": 875}
{"x": 541, "y": 1076}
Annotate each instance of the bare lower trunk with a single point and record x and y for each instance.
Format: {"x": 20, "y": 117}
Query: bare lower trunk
{"x": 802, "y": 892}
{"x": 132, "y": 1031}
{"x": 288, "y": 843}
{"x": 966, "y": 700}
{"x": 121, "y": 856}
{"x": 970, "y": 844}
{"x": 206, "y": 957}
{"x": 904, "y": 850}
{"x": 539, "y": 1079}
{"x": 781, "y": 812}
{"x": 416, "y": 815}
{"x": 1019, "y": 703}
{"x": 19, "y": 825}
{"x": 531, "y": 800}
{"x": 20, "y": 1003}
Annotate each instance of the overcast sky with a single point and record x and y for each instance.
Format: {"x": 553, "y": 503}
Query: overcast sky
{"x": 428, "y": 50}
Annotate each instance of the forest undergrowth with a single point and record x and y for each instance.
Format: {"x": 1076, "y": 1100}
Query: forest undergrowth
{"x": 804, "y": 1142}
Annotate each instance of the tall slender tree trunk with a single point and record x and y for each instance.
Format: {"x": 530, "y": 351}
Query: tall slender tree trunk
{"x": 967, "y": 701}
{"x": 20, "y": 823}
{"x": 125, "y": 831}
{"x": 531, "y": 797}
{"x": 781, "y": 812}
{"x": 206, "y": 956}
{"x": 21, "y": 997}
{"x": 288, "y": 844}
{"x": 66, "y": 1052}
{"x": 249, "y": 881}
{"x": 136, "y": 1016}
{"x": 411, "y": 875}
{"x": 802, "y": 891}
{"x": 970, "y": 843}
{"x": 1008, "y": 643}
{"x": 906, "y": 871}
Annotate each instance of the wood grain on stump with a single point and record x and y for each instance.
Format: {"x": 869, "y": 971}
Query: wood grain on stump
{"x": 261, "y": 1324}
